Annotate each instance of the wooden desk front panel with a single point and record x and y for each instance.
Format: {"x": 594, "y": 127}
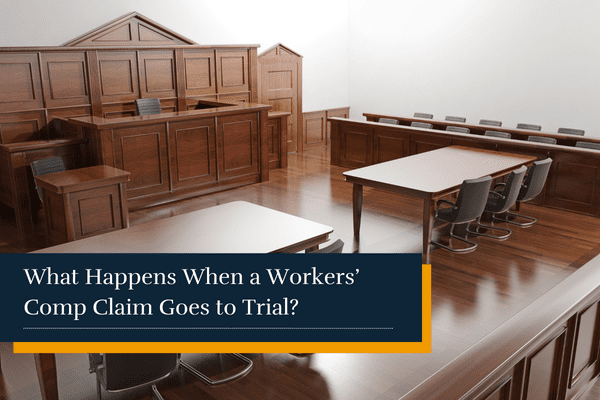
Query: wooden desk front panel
{"x": 238, "y": 145}
{"x": 142, "y": 151}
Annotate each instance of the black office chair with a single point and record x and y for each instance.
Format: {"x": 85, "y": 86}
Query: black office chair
{"x": 530, "y": 127}
{"x": 335, "y": 247}
{"x": 532, "y": 186}
{"x": 121, "y": 372}
{"x": 389, "y": 121}
{"x": 421, "y": 125}
{"x": 490, "y": 122}
{"x": 459, "y": 129}
{"x": 46, "y": 166}
{"x": 148, "y": 106}
{"x": 588, "y": 145}
{"x": 469, "y": 206}
{"x": 504, "y": 135}
{"x": 456, "y": 119}
{"x": 571, "y": 131}
{"x": 541, "y": 139}
{"x": 500, "y": 202}
{"x": 423, "y": 115}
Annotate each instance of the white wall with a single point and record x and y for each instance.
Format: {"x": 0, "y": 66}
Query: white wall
{"x": 318, "y": 30}
{"x": 516, "y": 61}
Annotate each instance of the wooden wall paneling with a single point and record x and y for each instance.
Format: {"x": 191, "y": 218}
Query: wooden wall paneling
{"x": 421, "y": 143}
{"x": 314, "y": 129}
{"x": 22, "y": 127}
{"x": 5, "y": 179}
{"x": 235, "y": 97}
{"x": 142, "y": 151}
{"x": 65, "y": 79}
{"x": 199, "y": 71}
{"x": 119, "y": 110}
{"x": 180, "y": 80}
{"x": 232, "y": 70}
{"x": 583, "y": 361}
{"x": 574, "y": 182}
{"x": 192, "y": 152}
{"x": 254, "y": 73}
{"x": 263, "y": 117}
{"x": 390, "y": 144}
{"x": 508, "y": 387}
{"x": 238, "y": 145}
{"x": 157, "y": 73}
{"x": 192, "y": 102}
{"x": 93, "y": 66}
{"x": 118, "y": 73}
{"x": 20, "y": 82}
{"x": 544, "y": 368}
{"x": 353, "y": 143}
{"x": 343, "y": 112}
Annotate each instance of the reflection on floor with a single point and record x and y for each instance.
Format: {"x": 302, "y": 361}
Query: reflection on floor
{"x": 472, "y": 293}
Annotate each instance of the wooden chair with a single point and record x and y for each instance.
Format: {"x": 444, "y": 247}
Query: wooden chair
{"x": 500, "y": 202}
{"x": 530, "y": 127}
{"x": 504, "y": 135}
{"x": 469, "y": 206}
{"x": 423, "y": 115}
{"x": 541, "y": 139}
{"x": 148, "y": 106}
{"x": 455, "y": 119}
{"x": 460, "y": 129}
{"x": 490, "y": 122}
{"x": 570, "y": 131}
{"x": 421, "y": 125}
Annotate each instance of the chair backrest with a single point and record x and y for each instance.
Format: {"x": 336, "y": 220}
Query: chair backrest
{"x": 335, "y": 247}
{"x": 471, "y": 199}
{"x": 117, "y": 372}
{"x": 588, "y": 145}
{"x": 571, "y": 131}
{"x": 460, "y": 129}
{"x": 490, "y": 122}
{"x": 46, "y": 166}
{"x": 541, "y": 139}
{"x": 535, "y": 180}
{"x": 421, "y": 125}
{"x": 148, "y": 106}
{"x": 389, "y": 121}
{"x": 510, "y": 192}
{"x": 423, "y": 115}
{"x": 530, "y": 127}
{"x": 455, "y": 119}
{"x": 504, "y": 135}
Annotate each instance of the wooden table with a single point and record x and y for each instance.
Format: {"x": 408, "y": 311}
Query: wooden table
{"x": 430, "y": 176}
{"x": 84, "y": 202}
{"x": 236, "y": 227}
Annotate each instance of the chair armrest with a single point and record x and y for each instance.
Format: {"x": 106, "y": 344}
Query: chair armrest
{"x": 502, "y": 184}
{"x": 439, "y": 202}
{"x": 496, "y": 194}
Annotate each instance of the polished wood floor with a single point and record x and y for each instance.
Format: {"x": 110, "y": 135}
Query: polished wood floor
{"x": 471, "y": 293}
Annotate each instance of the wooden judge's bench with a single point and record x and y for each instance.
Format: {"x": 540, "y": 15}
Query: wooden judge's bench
{"x": 77, "y": 101}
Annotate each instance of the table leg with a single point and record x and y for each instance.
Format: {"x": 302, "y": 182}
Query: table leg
{"x": 45, "y": 364}
{"x": 312, "y": 248}
{"x": 428, "y": 212}
{"x": 357, "y": 195}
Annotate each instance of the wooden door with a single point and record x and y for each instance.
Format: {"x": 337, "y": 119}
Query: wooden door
{"x": 281, "y": 87}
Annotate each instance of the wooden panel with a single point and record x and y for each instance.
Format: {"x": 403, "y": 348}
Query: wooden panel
{"x": 574, "y": 182}
{"x": 586, "y": 342}
{"x": 544, "y": 368}
{"x": 118, "y": 76}
{"x": 157, "y": 73}
{"x": 343, "y": 112}
{"x": 274, "y": 141}
{"x": 20, "y": 82}
{"x": 96, "y": 211}
{"x": 22, "y": 127}
{"x": 192, "y": 152}
{"x": 65, "y": 79}
{"x": 389, "y": 145}
{"x": 421, "y": 143}
{"x": 192, "y": 103}
{"x": 199, "y": 72}
{"x": 142, "y": 151}
{"x": 237, "y": 143}
{"x": 355, "y": 146}
{"x": 66, "y": 130}
{"x": 232, "y": 71}
{"x": 314, "y": 133}
{"x": 54, "y": 210}
{"x": 235, "y": 97}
